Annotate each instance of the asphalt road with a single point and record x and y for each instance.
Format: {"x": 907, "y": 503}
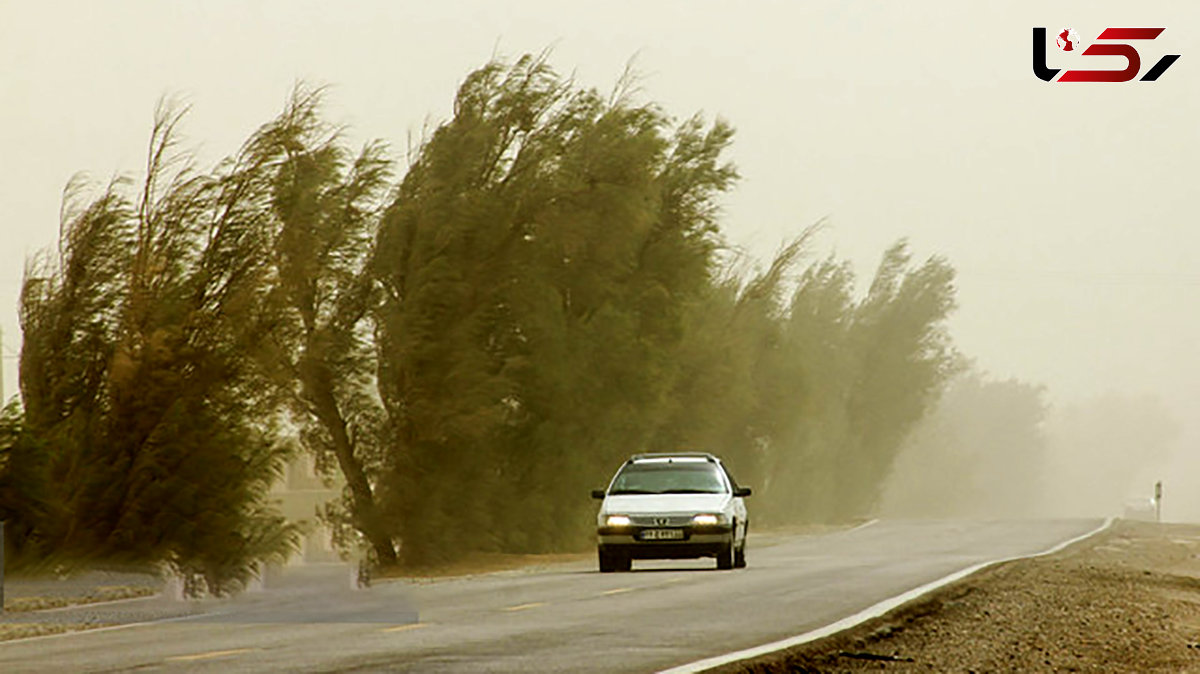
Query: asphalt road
{"x": 565, "y": 618}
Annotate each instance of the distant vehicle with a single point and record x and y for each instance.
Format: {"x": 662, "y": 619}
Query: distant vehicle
{"x": 671, "y": 506}
{"x": 1143, "y": 509}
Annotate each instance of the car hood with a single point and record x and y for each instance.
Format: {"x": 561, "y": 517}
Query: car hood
{"x": 631, "y": 504}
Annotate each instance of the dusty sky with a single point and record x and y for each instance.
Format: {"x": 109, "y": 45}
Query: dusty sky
{"x": 1070, "y": 210}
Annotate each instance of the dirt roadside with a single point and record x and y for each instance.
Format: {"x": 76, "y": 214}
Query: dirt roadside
{"x": 1125, "y": 600}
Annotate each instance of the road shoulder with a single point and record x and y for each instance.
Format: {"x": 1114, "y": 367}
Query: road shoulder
{"x": 1125, "y": 600}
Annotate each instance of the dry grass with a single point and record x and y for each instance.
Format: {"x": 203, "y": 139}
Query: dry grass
{"x": 97, "y": 594}
{"x": 10, "y": 631}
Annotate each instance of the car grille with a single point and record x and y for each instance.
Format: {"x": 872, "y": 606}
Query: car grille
{"x": 661, "y": 520}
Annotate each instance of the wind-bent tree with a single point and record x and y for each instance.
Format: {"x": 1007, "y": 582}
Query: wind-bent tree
{"x": 801, "y": 478}
{"x": 733, "y": 394}
{"x": 811, "y": 397}
{"x": 905, "y": 358}
{"x": 544, "y": 293}
{"x": 535, "y": 263}
{"x": 324, "y": 204}
{"x": 24, "y": 501}
{"x": 140, "y": 376}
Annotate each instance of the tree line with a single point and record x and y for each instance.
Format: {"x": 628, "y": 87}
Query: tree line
{"x": 470, "y": 347}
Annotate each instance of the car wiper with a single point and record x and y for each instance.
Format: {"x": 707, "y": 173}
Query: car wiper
{"x": 689, "y": 491}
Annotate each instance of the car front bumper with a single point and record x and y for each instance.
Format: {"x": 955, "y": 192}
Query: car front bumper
{"x": 696, "y": 542}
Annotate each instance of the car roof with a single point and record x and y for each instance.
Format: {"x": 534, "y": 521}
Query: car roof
{"x": 671, "y": 457}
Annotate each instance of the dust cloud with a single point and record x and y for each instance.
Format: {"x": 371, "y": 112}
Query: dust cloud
{"x": 998, "y": 449}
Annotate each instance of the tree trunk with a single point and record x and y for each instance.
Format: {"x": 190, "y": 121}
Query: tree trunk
{"x": 365, "y": 512}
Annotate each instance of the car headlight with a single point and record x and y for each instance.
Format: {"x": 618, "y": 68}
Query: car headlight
{"x": 617, "y": 521}
{"x": 706, "y": 520}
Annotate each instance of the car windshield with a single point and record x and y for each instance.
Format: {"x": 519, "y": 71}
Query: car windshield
{"x": 662, "y": 477}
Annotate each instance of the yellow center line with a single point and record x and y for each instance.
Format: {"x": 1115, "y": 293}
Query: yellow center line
{"x": 209, "y": 655}
{"x": 522, "y": 607}
{"x": 619, "y": 590}
{"x": 404, "y": 628}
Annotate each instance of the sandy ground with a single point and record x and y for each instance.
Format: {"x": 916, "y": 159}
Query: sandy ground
{"x": 1126, "y": 600}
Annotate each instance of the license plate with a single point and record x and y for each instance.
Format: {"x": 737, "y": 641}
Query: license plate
{"x": 662, "y": 534}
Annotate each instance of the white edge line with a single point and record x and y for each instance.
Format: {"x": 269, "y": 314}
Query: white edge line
{"x": 71, "y": 607}
{"x": 864, "y": 525}
{"x": 867, "y": 613}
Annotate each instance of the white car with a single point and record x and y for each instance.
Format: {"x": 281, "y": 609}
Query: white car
{"x": 671, "y": 506}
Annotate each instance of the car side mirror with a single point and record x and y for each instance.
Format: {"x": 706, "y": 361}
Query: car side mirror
{"x": 742, "y": 491}
{"x": 598, "y": 494}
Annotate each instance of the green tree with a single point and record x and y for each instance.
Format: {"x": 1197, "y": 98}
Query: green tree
{"x": 24, "y": 498}
{"x": 734, "y": 393}
{"x": 139, "y": 370}
{"x": 801, "y": 476}
{"x": 904, "y": 358}
{"x": 536, "y": 265}
{"x": 545, "y": 292}
{"x": 325, "y": 203}
{"x": 813, "y": 396}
